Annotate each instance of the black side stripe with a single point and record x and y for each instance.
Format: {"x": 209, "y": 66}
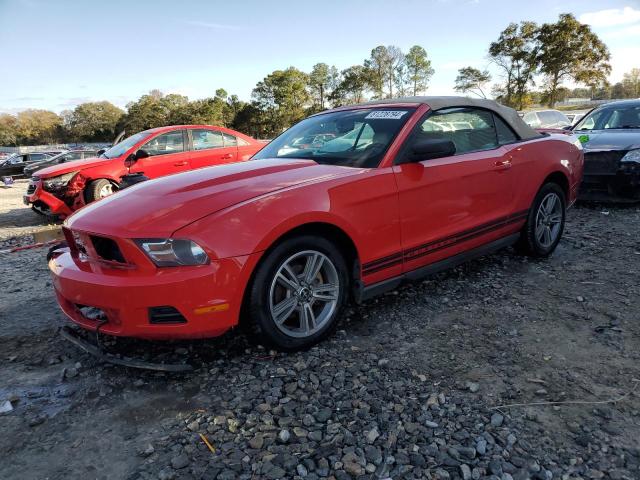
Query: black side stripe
{"x": 437, "y": 245}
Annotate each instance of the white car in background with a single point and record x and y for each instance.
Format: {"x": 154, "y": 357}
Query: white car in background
{"x": 546, "y": 119}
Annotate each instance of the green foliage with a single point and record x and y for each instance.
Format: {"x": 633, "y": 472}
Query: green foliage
{"x": 419, "y": 70}
{"x": 570, "y": 50}
{"x": 515, "y": 53}
{"x": 37, "y": 127}
{"x": 281, "y": 99}
{"x": 8, "y": 130}
{"x": 472, "y": 80}
{"x": 351, "y": 86}
{"x": 93, "y": 122}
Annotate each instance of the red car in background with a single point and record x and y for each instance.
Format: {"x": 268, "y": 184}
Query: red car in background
{"x": 396, "y": 190}
{"x": 62, "y": 189}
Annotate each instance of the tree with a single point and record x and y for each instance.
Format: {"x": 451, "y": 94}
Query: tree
{"x": 351, "y": 87}
{"x": 8, "y": 130}
{"x": 418, "y": 68}
{"x": 376, "y": 68}
{"x": 93, "y": 121}
{"x": 516, "y": 55}
{"x": 37, "y": 127}
{"x": 472, "y": 80}
{"x": 631, "y": 83}
{"x": 282, "y": 97}
{"x": 570, "y": 50}
{"x": 322, "y": 81}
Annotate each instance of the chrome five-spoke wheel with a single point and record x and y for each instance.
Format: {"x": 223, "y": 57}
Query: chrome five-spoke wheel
{"x": 304, "y": 293}
{"x": 549, "y": 220}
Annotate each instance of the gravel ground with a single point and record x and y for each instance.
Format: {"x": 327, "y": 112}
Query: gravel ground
{"x": 413, "y": 384}
{"x": 17, "y": 221}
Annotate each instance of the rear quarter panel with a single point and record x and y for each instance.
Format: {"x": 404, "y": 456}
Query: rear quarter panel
{"x": 533, "y": 161}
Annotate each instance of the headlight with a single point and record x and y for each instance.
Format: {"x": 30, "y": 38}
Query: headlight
{"x": 632, "y": 156}
{"x": 56, "y": 183}
{"x": 172, "y": 252}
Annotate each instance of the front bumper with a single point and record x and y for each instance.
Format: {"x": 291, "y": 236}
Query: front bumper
{"x": 45, "y": 201}
{"x": 208, "y": 297}
{"x": 607, "y": 177}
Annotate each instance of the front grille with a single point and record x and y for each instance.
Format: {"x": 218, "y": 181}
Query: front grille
{"x": 602, "y": 163}
{"x": 107, "y": 249}
{"x": 165, "y": 314}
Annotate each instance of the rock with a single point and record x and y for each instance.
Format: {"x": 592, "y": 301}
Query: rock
{"x": 323, "y": 415}
{"x": 180, "y": 461}
{"x": 372, "y": 435}
{"x": 465, "y": 472}
{"x": 284, "y": 436}
{"x": 193, "y": 426}
{"x": 6, "y": 407}
{"x": 71, "y": 372}
{"x": 148, "y": 451}
{"x": 257, "y": 441}
{"x": 352, "y": 465}
{"x": 497, "y": 419}
{"x": 430, "y": 424}
{"x": 302, "y": 470}
{"x": 473, "y": 387}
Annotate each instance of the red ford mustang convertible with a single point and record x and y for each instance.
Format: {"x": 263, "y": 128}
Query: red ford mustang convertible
{"x": 392, "y": 190}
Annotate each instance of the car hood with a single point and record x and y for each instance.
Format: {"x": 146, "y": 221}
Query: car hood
{"x": 602, "y": 140}
{"x": 62, "y": 168}
{"x": 157, "y": 208}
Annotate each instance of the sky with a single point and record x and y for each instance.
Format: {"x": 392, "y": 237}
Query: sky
{"x": 56, "y": 54}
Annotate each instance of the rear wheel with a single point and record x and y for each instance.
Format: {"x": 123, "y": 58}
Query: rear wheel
{"x": 298, "y": 292}
{"x": 545, "y": 223}
{"x": 99, "y": 189}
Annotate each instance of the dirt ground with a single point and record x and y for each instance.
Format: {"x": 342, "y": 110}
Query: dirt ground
{"x": 413, "y": 384}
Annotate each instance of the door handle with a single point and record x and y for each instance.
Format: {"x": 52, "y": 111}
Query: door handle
{"x": 503, "y": 163}
{"x": 180, "y": 164}
{"x": 227, "y": 156}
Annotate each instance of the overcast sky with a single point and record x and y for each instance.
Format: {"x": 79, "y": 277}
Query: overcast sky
{"x": 56, "y": 54}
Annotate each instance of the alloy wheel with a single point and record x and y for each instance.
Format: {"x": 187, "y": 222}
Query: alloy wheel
{"x": 548, "y": 220}
{"x": 107, "y": 190}
{"x": 304, "y": 293}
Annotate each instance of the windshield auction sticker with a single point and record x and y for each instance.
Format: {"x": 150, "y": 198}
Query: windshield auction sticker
{"x": 583, "y": 139}
{"x": 386, "y": 114}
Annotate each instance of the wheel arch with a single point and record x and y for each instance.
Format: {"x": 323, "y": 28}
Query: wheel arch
{"x": 559, "y": 178}
{"x": 335, "y": 234}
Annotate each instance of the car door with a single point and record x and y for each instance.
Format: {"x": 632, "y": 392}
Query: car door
{"x": 212, "y": 147}
{"x": 451, "y": 204}
{"x": 167, "y": 155}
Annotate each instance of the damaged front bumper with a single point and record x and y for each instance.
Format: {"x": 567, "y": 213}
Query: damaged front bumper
{"x": 608, "y": 176}
{"x": 62, "y": 202}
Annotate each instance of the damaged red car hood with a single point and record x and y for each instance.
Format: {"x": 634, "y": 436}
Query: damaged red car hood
{"x": 157, "y": 208}
{"x": 73, "y": 166}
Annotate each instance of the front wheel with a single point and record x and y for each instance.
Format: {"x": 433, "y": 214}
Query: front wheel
{"x": 298, "y": 292}
{"x": 99, "y": 189}
{"x": 545, "y": 223}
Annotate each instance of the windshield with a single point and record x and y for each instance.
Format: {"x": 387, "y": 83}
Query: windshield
{"x": 607, "y": 118}
{"x": 352, "y": 138}
{"x": 125, "y": 145}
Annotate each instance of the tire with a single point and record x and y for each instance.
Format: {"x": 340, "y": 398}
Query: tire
{"x": 281, "y": 290}
{"x": 542, "y": 241}
{"x": 96, "y": 190}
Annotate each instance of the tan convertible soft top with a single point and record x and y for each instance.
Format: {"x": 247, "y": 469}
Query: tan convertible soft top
{"x": 509, "y": 115}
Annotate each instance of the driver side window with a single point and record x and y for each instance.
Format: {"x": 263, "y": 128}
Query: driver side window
{"x": 167, "y": 143}
{"x": 469, "y": 129}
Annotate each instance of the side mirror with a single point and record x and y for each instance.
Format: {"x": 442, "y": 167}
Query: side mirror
{"x": 140, "y": 154}
{"x": 430, "y": 149}
{"x": 134, "y": 157}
